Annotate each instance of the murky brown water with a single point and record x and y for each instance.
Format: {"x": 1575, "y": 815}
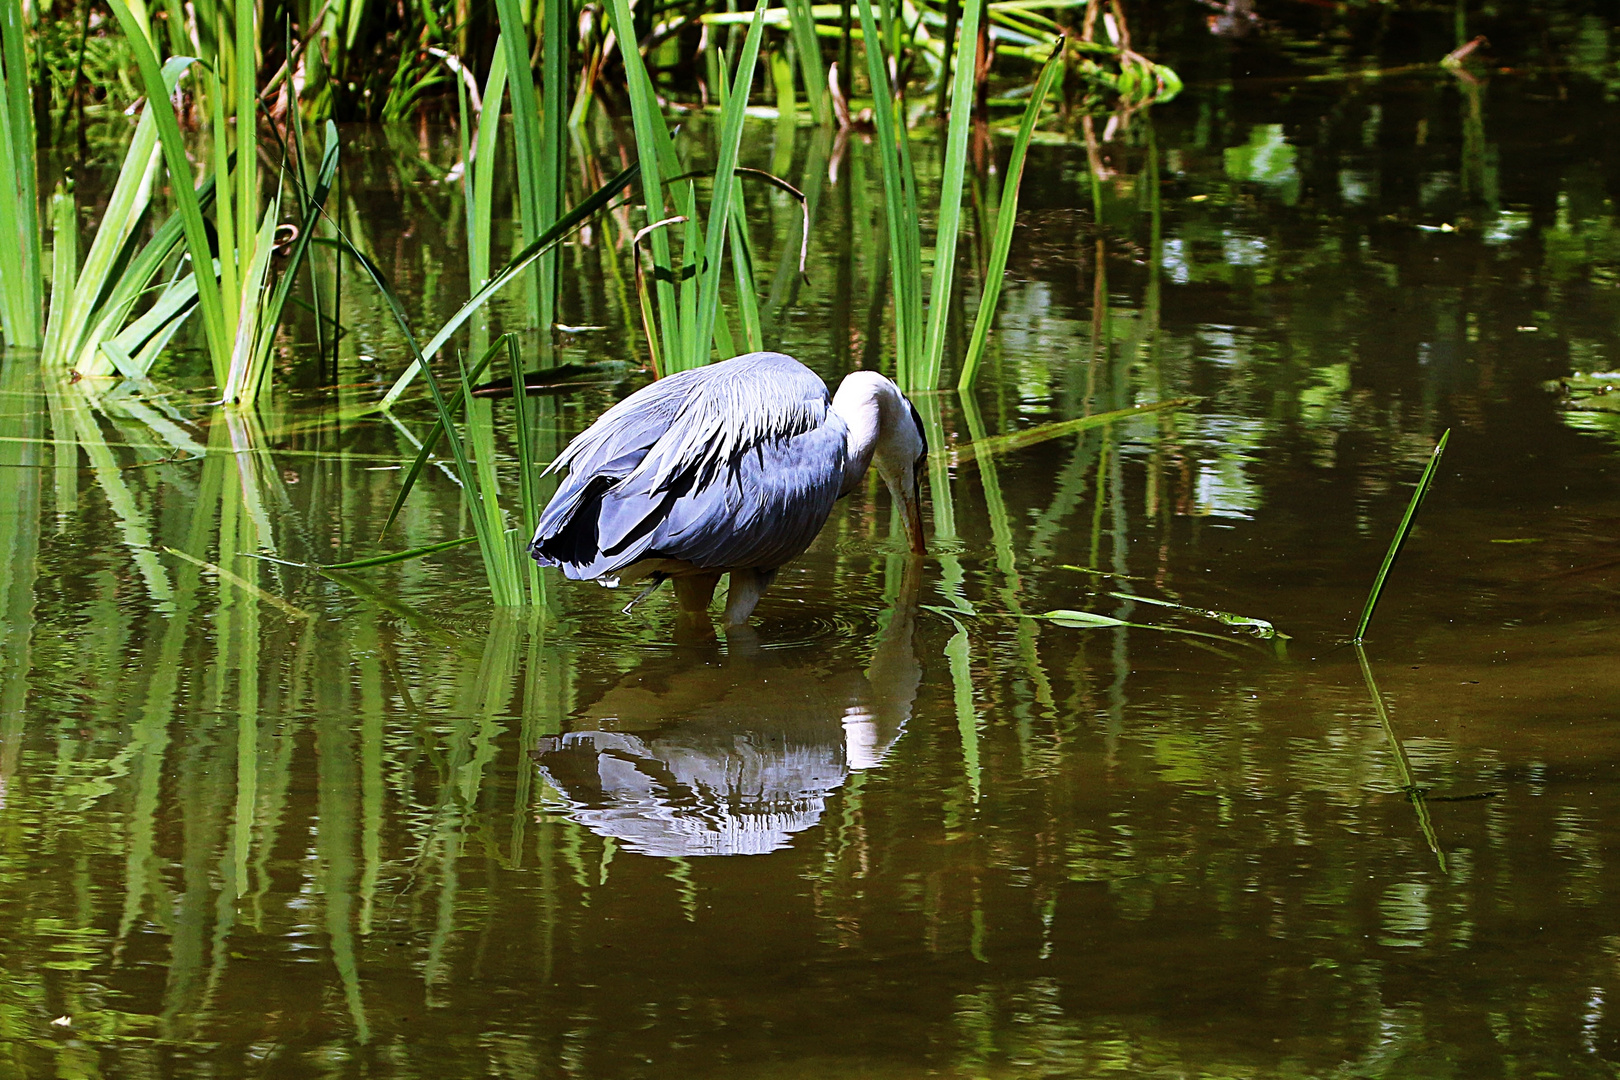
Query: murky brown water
{"x": 262, "y": 822}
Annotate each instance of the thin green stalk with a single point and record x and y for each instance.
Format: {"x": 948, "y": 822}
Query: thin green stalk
{"x": 812, "y": 68}
{"x": 246, "y": 112}
{"x": 74, "y": 297}
{"x": 554, "y": 81}
{"x": 1401, "y": 533}
{"x": 483, "y": 497}
{"x": 174, "y": 152}
{"x": 528, "y": 471}
{"x": 22, "y": 282}
{"x": 905, "y": 242}
{"x": 584, "y": 210}
{"x": 270, "y": 315}
{"x": 429, "y": 444}
{"x": 1006, "y": 218}
{"x": 725, "y": 186}
{"x": 950, "y": 199}
{"x": 526, "y": 137}
{"x": 655, "y": 153}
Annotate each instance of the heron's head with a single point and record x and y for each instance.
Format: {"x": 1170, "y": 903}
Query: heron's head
{"x": 880, "y": 413}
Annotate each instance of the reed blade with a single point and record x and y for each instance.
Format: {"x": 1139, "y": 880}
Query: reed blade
{"x": 209, "y": 299}
{"x": 655, "y": 153}
{"x": 434, "y": 434}
{"x": 525, "y": 134}
{"x": 724, "y": 190}
{"x": 74, "y": 301}
{"x": 812, "y": 67}
{"x": 1006, "y": 219}
{"x": 904, "y": 240}
{"x": 22, "y": 281}
{"x": 553, "y": 161}
{"x": 1401, "y": 533}
{"x": 314, "y": 207}
{"x": 950, "y": 200}
{"x": 583, "y": 211}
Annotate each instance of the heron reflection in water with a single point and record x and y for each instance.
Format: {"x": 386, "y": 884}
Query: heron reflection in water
{"x": 710, "y": 755}
{"x": 726, "y": 469}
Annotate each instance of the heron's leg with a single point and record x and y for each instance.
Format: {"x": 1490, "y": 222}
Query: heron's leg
{"x": 695, "y": 591}
{"x": 747, "y": 586}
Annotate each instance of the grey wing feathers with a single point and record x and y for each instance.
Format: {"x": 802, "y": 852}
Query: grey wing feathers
{"x": 736, "y": 464}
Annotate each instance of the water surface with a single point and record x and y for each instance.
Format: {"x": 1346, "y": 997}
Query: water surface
{"x": 256, "y": 821}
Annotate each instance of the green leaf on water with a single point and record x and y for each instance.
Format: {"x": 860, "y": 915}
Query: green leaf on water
{"x": 1081, "y": 619}
{"x": 1260, "y": 628}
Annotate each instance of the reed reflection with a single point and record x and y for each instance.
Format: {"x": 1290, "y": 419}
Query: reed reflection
{"x": 711, "y": 751}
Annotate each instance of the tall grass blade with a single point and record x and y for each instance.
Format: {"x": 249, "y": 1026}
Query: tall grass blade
{"x": 553, "y": 161}
{"x": 135, "y": 348}
{"x": 655, "y": 153}
{"x": 1006, "y": 219}
{"x": 813, "y": 70}
{"x": 478, "y": 176}
{"x": 209, "y": 299}
{"x": 22, "y": 283}
{"x": 433, "y": 436}
{"x": 525, "y": 133}
{"x": 242, "y": 380}
{"x": 904, "y": 240}
{"x": 1401, "y": 533}
{"x": 314, "y": 207}
{"x": 725, "y": 186}
{"x": 129, "y": 285}
{"x": 245, "y": 111}
{"x": 89, "y": 304}
{"x": 950, "y": 199}
{"x": 64, "y": 262}
{"x": 584, "y": 210}
{"x": 483, "y": 497}
{"x": 528, "y": 472}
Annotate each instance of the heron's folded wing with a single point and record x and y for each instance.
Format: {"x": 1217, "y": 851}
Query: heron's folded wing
{"x": 762, "y": 509}
{"x": 728, "y": 465}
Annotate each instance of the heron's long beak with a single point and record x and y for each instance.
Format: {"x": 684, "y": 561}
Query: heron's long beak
{"x": 911, "y": 516}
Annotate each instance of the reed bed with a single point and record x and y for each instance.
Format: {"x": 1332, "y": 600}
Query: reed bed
{"x": 248, "y": 204}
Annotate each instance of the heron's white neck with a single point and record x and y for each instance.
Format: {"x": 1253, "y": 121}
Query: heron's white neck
{"x": 871, "y": 406}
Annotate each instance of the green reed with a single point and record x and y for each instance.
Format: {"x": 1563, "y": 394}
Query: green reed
{"x": 1402, "y": 531}
{"x": 582, "y": 212}
{"x": 22, "y": 281}
{"x": 240, "y": 308}
{"x": 920, "y": 332}
{"x": 1006, "y": 218}
{"x": 683, "y": 311}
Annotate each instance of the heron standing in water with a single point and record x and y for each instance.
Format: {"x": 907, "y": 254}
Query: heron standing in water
{"x": 726, "y": 469}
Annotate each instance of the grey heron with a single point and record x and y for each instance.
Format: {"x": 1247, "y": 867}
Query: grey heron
{"x": 727, "y": 469}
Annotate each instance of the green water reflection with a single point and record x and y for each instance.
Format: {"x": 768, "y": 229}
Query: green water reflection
{"x": 259, "y": 821}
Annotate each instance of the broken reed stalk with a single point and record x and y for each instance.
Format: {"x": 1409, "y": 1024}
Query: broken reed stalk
{"x": 1405, "y": 529}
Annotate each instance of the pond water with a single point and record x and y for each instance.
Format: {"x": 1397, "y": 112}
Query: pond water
{"x": 257, "y": 821}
